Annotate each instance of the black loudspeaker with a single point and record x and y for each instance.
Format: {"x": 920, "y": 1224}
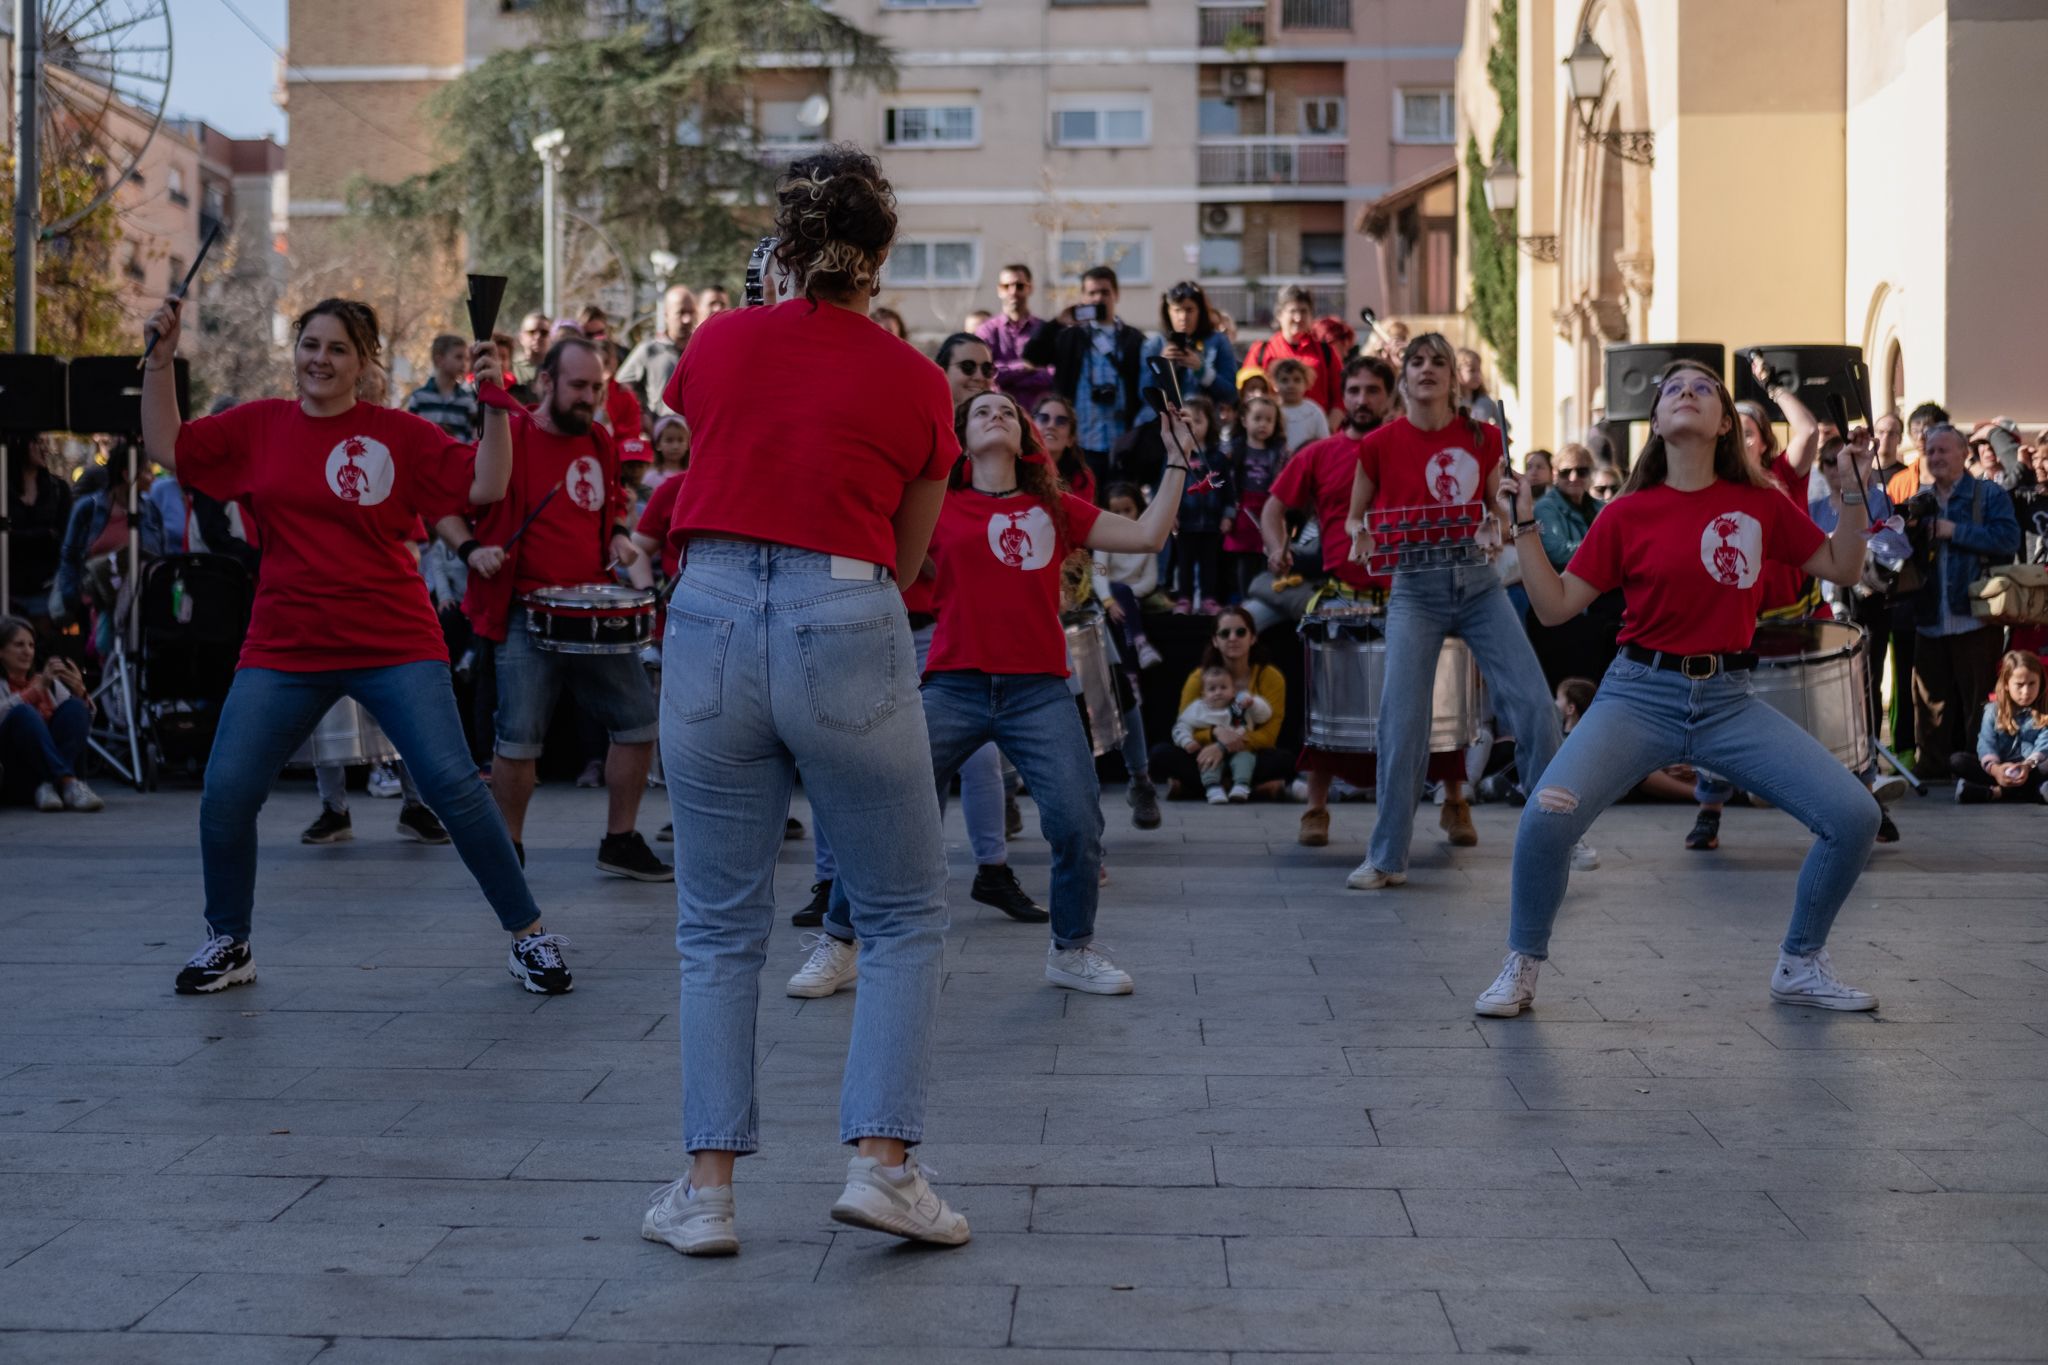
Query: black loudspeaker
{"x": 1813, "y": 373}
{"x": 106, "y": 394}
{"x": 1632, "y": 373}
{"x": 31, "y": 393}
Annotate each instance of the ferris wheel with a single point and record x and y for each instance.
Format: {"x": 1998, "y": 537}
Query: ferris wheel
{"x": 102, "y": 72}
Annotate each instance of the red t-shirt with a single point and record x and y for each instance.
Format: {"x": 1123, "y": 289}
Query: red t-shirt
{"x": 338, "y": 497}
{"x": 1693, "y": 567}
{"x": 624, "y": 410}
{"x": 921, "y": 596}
{"x": 1410, "y": 467}
{"x": 654, "y": 520}
{"x": 565, "y": 543}
{"x": 824, "y": 469}
{"x": 1082, "y": 485}
{"x": 1325, "y": 365}
{"x": 1319, "y": 476}
{"x": 998, "y": 598}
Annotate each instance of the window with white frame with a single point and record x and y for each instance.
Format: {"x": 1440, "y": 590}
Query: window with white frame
{"x": 1217, "y": 117}
{"x": 1129, "y": 254}
{"x": 780, "y": 122}
{"x": 1322, "y": 116}
{"x": 1101, "y": 121}
{"x": 1424, "y": 116}
{"x": 933, "y": 262}
{"x": 1222, "y": 256}
{"x": 174, "y": 184}
{"x": 931, "y": 125}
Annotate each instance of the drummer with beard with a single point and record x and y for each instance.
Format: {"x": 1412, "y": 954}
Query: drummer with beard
{"x": 567, "y": 496}
{"x": 1688, "y": 543}
{"x": 1438, "y": 456}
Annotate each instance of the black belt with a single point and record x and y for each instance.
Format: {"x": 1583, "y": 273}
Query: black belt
{"x": 1694, "y": 666}
{"x": 920, "y": 619}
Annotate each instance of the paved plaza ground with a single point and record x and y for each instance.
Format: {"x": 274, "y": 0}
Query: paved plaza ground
{"x": 1294, "y": 1143}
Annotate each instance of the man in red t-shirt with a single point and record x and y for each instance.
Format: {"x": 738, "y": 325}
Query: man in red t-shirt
{"x": 562, "y": 525}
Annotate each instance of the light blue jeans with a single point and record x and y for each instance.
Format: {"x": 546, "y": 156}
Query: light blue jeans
{"x": 771, "y": 668}
{"x": 1425, "y": 606}
{"x": 1644, "y": 718}
{"x": 268, "y": 715}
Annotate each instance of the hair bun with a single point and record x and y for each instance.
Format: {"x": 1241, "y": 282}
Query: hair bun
{"x": 835, "y": 218}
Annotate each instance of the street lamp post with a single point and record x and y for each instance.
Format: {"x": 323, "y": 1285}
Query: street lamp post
{"x": 1503, "y": 186}
{"x": 553, "y": 150}
{"x": 27, "y": 175}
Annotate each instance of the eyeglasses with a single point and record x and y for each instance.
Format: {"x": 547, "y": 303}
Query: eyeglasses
{"x": 1697, "y": 385}
{"x": 1183, "y": 292}
{"x": 1231, "y": 632}
{"x": 1603, "y": 489}
{"x": 985, "y": 368}
{"x": 1575, "y": 471}
{"x": 1054, "y": 419}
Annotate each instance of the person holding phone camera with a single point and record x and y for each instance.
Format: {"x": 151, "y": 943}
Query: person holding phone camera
{"x": 1097, "y": 362}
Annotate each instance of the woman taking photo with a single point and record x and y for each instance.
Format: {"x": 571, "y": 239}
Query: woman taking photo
{"x": 789, "y": 651}
{"x": 341, "y": 610}
{"x": 1190, "y": 340}
{"x": 1234, "y": 648}
{"x": 44, "y": 719}
{"x": 1687, "y": 544}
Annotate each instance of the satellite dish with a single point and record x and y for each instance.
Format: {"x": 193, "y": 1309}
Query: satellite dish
{"x": 813, "y": 112}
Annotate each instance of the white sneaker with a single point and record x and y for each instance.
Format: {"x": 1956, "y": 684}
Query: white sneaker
{"x": 902, "y": 1205}
{"x": 1148, "y": 657}
{"x": 832, "y": 964}
{"x": 80, "y": 797}
{"x": 1811, "y": 980}
{"x": 47, "y": 798}
{"x": 1297, "y": 791}
{"x": 1217, "y": 796}
{"x": 1513, "y": 991}
{"x": 1240, "y": 793}
{"x": 1888, "y": 788}
{"x": 383, "y": 782}
{"x": 1366, "y": 877}
{"x": 1085, "y": 969}
{"x": 1584, "y": 859}
{"x": 694, "y": 1222}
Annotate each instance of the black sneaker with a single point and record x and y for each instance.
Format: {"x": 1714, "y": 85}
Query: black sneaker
{"x": 627, "y": 855}
{"x": 536, "y": 963}
{"x": 1013, "y": 818}
{"x": 1143, "y": 799}
{"x": 792, "y": 828}
{"x": 1706, "y": 832}
{"x": 813, "y": 915}
{"x": 1887, "y": 832}
{"x": 221, "y": 962}
{"x": 995, "y": 884}
{"x": 419, "y": 824}
{"x": 332, "y": 827}
{"x": 1971, "y": 794}
{"x": 667, "y": 835}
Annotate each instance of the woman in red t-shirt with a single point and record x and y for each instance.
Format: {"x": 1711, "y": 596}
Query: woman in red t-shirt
{"x": 998, "y": 665}
{"x": 1688, "y": 542}
{"x": 341, "y": 611}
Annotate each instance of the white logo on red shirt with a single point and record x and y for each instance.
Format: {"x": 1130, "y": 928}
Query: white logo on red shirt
{"x": 585, "y": 482}
{"x": 1732, "y": 548}
{"x": 359, "y": 470}
{"x": 1452, "y": 475}
{"x": 1022, "y": 539}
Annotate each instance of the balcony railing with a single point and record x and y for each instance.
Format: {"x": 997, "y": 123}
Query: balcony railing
{"x": 1251, "y": 305}
{"x": 1233, "y": 24}
{"x": 1323, "y": 14}
{"x": 1271, "y": 161}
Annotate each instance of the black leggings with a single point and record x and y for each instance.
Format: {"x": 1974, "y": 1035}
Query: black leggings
{"x": 1970, "y": 769}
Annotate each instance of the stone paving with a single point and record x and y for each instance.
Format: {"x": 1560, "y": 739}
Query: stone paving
{"x": 1294, "y": 1143}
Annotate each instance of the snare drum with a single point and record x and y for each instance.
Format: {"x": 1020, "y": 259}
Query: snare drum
{"x": 1088, "y": 655}
{"x": 1814, "y": 673}
{"x": 1346, "y": 675}
{"x": 592, "y": 618}
{"x": 347, "y": 735}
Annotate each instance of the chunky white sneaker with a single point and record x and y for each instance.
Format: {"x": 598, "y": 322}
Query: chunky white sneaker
{"x": 1217, "y": 796}
{"x": 1240, "y": 793}
{"x": 901, "y": 1203}
{"x": 1085, "y": 969}
{"x": 832, "y": 964}
{"x": 1887, "y": 788}
{"x": 1811, "y": 980}
{"x": 1584, "y": 859}
{"x": 1513, "y": 991}
{"x": 694, "y": 1222}
{"x": 47, "y": 799}
{"x": 1366, "y": 877}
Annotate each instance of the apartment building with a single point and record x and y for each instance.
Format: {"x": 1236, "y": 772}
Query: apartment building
{"x": 1235, "y": 141}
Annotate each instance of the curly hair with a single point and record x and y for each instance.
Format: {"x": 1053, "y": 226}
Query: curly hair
{"x": 835, "y": 217}
{"x": 1036, "y": 477}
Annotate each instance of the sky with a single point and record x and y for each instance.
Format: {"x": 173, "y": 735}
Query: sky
{"x": 221, "y": 72}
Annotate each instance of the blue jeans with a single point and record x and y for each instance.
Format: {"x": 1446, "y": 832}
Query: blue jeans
{"x": 268, "y": 715}
{"x": 1644, "y": 718}
{"x": 1425, "y": 606}
{"x": 34, "y": 750}
{"x": 771, "y": 668}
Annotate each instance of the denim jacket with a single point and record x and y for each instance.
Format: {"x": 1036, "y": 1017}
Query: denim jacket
{"x": 1993, "y": 539}
{"x": 1563, "y": 526}
{"x": 1216, "y": 380}
{"x": 2030, "y": 742}
{"x": 88, "y": 518}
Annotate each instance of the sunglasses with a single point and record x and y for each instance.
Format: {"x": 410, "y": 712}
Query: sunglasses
{"x": 985, "y": 368}
{"x": 1054, "y": 419}
{"x": 1182, "y": 293}
{"x": 1573, "y": 472}
{"x": 1231, "y": 632}
{"x": 1606, "y": 488}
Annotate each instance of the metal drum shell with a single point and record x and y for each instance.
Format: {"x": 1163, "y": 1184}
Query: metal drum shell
{"x": 1345, "y": 672}
{"x": 1088, "y": 658}
{"x": 595, "y": 618}
{"x": 349, "y": 735}
{"x": 1819, "y": 685}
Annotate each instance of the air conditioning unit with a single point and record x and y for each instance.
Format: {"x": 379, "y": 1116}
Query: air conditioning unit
{"x": 1243, "y": 82}
{"x": 1223, "y": 220}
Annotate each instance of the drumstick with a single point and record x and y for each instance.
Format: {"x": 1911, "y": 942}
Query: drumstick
{"x": 538, "y": 509}
{"x": 184, "y": 285}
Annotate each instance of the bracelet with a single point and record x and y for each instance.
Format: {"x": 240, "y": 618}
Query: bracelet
{"x": 1522, "y": 528}
{"x": 1854, "y": 499}
{"x": 465, "y": 550}
{"x": 1181, "y": 467}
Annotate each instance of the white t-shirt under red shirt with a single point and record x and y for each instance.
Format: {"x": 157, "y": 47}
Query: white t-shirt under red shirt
{"x": 1692, "y": 567}
{"x": 998, "y": 590}
{"x": 565, "y": 545}
{"x": 1410, "y": 467}
{"x": 338, "y": 498}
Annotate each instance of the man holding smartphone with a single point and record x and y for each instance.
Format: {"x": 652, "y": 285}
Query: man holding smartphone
{"x": 1096, "y": 362}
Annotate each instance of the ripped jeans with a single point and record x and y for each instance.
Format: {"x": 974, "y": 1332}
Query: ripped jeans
{"x": 1644, "y": 718}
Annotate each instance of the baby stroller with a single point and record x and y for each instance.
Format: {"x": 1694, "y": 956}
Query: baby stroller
{"x": 194, "y": 611}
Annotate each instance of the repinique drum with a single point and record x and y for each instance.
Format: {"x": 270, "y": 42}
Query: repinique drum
{"x": 1814, "y": 674}
{"x": 1088, "y": 655}
{"x": 349, "y": 735}
{"x": 592, "y": 618}
{"x": 1346, "y": 674}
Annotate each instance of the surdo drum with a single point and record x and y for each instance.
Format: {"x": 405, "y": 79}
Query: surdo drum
{"x": 1814, "y": 674}
{"x": 1088, "y": 658}
{"x": 592, "y": 618}
{"x": 1346, "y": 673}
{"x": 349, "y": 735}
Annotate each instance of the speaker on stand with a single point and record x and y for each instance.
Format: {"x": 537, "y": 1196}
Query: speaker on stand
{"x": 1814, "y": 374}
